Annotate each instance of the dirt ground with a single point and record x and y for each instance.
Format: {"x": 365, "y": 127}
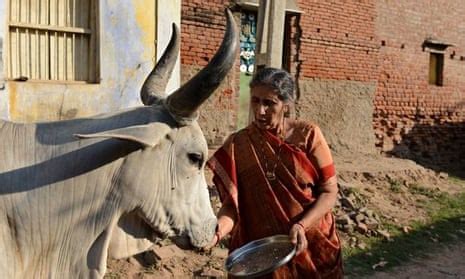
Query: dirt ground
{"x": 447, "y": 263}
{"x": 382, "y": 183}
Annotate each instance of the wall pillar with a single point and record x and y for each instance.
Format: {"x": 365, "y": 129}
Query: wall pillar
{"x": 270, "y": 33}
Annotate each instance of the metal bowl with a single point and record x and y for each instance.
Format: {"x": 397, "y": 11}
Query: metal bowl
{"x": 260, "y": 256}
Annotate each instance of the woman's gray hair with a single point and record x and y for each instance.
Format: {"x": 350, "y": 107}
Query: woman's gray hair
{"x": 279, "y": 80}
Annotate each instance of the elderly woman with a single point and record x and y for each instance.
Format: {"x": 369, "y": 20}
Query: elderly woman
{"x": 277, "y": 176}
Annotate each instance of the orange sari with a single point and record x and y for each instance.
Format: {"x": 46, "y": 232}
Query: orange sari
{"x": 266, "y": 207}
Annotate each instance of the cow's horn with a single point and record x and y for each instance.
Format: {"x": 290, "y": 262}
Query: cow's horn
{"x": 155, "y": 85}
{"x": 183, "y": 103}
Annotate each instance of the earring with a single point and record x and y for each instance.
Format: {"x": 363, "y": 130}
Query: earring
{"x": 287, "y": 112}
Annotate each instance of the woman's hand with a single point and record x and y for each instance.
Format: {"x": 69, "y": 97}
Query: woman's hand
{"x": 224, "y": 225}
{"x": 297, "y": 236}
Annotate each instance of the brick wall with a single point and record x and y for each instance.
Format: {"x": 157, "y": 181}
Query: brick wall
{"x": 202, "y": 28}
{"x": 361, "y": 73}
{"x": 335, "y": 58}
{"x": 338, "y": 40}
{"x": 413, "y": 118}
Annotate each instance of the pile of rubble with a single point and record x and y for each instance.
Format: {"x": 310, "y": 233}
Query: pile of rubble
{"x": 352, "y": 216}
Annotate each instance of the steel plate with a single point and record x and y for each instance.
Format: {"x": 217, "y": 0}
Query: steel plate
{"x": 261, "y": 256}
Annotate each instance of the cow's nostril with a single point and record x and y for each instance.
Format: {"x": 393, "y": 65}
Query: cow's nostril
{"x": 201, "y": 234}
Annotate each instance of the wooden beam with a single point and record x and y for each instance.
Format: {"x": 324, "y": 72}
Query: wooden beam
{"x": 75, "y": 30}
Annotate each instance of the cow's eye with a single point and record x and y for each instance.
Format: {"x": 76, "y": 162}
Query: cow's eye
{"x": 196, "y": 159}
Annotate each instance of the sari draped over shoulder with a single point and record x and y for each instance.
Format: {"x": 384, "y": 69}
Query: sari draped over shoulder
{"x": 266, "y": 207}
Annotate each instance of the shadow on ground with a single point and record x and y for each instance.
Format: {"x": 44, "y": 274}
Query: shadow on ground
{"x": 443, "y": 152}
{"x": 406, "y": 247}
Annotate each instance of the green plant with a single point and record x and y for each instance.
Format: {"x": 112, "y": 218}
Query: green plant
{"x": 352, "y": 190}
{"x": 427, "y": 192}
{"x": 395, "y": 185}
{"x": 456, "y": 179}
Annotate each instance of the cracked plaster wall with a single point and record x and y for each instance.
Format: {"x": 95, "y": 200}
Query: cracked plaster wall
{"x": 127, "y": 54}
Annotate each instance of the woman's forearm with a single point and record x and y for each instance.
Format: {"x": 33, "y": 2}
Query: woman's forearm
{"x": 324, "y": 203}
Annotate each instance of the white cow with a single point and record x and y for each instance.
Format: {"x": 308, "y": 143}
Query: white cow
{"x": 73, "y": 192}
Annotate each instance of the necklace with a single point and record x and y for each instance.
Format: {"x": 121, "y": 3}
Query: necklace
{"x": 270, "y": 173}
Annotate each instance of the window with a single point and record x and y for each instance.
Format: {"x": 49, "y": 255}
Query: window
{"x": 53, "y": 40}
{"x": 436, "y": 49}
{"x": 436, "y": 67}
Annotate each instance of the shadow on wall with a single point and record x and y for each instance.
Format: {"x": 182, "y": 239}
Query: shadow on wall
{"x": 440, "y": 147}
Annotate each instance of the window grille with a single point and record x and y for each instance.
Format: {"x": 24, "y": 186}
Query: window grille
{"x": 53, "y": 40}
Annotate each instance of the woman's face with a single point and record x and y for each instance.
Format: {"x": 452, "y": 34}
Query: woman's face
{"x": 268, "y": 109}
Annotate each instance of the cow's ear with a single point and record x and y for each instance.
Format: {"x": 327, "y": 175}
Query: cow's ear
{"x": 147, "y": 135}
